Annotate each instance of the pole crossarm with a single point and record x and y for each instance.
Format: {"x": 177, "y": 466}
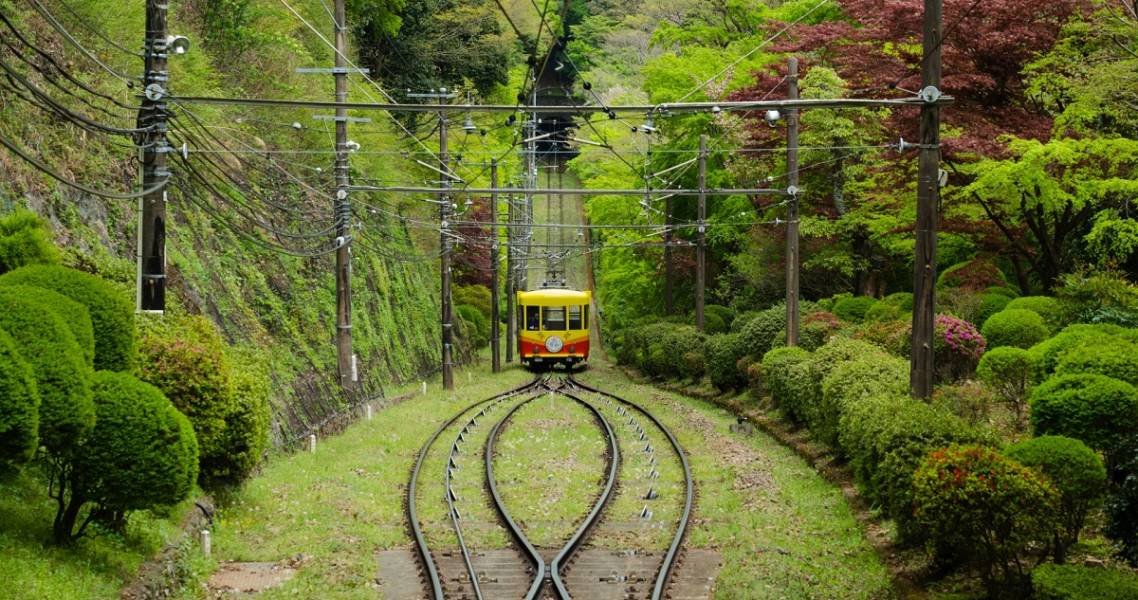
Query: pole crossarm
{"x": 567, "y": 191}
{"x": 657, "y": 109}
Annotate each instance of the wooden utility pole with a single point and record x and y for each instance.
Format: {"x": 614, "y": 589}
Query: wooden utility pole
{"x": 151, "y": 295}
{"x": 928, "y": 197}
{"x": 495, "y": 317}
{"x": 511, "y": 277}
{"x": 669, "y": 299}
{"x": 792, "y": 209}
{"x": 444, "y": 267}
{"x": 701, "y": 249}
{"x": 346, "y": 358}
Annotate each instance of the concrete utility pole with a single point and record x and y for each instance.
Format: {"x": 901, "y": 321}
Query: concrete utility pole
{"x": 495, "y": 317}
{"x": 701, "y": 249}
{"x": 511, "y": 276}
{"x": 151, "y": 296}
{"x": 792, "y": 209}
{"x": 928, "y": 198}
{"x": 346, "y": 358}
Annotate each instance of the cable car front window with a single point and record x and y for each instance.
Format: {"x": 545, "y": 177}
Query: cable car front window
{"x": 575, "y": 317}
{"x": 532, "y": 318}
{"x": 553, "y": 318}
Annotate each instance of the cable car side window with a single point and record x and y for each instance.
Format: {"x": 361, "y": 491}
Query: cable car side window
{"x": 575, "y": 317}
{"x": 553, "y": 318}
{"x": 532, "y": 319}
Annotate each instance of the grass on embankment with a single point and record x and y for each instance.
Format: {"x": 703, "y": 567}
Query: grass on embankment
{"x": 782, "y": 531}
{"x": 97, "y": 566}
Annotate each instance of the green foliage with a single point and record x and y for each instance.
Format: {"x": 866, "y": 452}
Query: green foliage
{"x": 1049, "y": 352}
{"x": 1105, "y": 297}
{"x": 25, "y": 239}
{"x": 1113, "y": 239}
{"x": 787, "y": 374}
{"x": 477, "y": 296}
{"x": 67, "y": 411}
{"x": 142, "y": 453}
{"x": 902, "y": 300}
{"x": 969, "y": 400}
{"x": 112, "y": 316}
{"x": 1077, "y": 582}
{"x": 1077, "y": 473}
{"x": 882, "y": 311}
{"x": 1049, "y": 308}
{"x": 1113, "y": 359}
{"x": 1011, "y": 372}
{"x": 187, "y": 361}
{"x": 246, "y": 433}
{"x": 1003, "y": 291}
{"x": 717, "y": 319}
{"x": 972, "y": 275}
{"x": 853, "y": 309}
{"x": 855, "y": 380}
{"x": 762, "y": 331}
{"x": 985, "y": 508}
{"x": 1122, "y": 503}
{"x": 1017, "y": 327}
{"x": 478, "y": 330}
{"x": 662, "y": 349}
{"x": 893, "y": 336}
{"x": 74, "y": 314}
{"x": 817, "y": 328}
{"x": 990, "y": 304}
{"x": 723, "y": 354}
{"x": 1096, "y": 409}
{"x": 19, "y": 406}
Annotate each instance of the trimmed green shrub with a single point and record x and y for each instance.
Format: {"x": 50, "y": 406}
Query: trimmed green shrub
{"x": 762, "y": 331}
{"x": 1100, "y": 296}
{"x": 969, "y": 400}
{"x": 1122, "y": 503}
{"x": 1096, "y": 409}
{"x": 479, "y": 330}
{"x": 740, "y": 321}
{"x": 75, "y": 315}
{"x": 882, "y": 311}
{"x": 853, "y": 309}
{"x": 854, "y": 380}
{"x": 902, "y": 300}
{"x": 25, "y": 239}
{"x": 67, "y": 410}
{"x": 893, "y": 336}
{"x": 788, "y": 378}
{"x": 19, "y": 406}
{"x": 1077, "y": 473}
{"x": 974, "y": 275}
{"x": 188, "y": 363}
{"x": 721, "y": 314}
{"x": 817, "y": 329}
{"x": 713, "y": 324}
{"x": 985, "y": 508}
{"x": 1011, "y": 372}
{"x": 476, "y": 295}
{"x": 246, "y": 431}
{"x": 1050, "y": 351}
{"x": 1076, "y": 582}
{"x": 1116, "y": 359}
{"x": 991, "y": 304}
{"x": 1018, "y": 327}
{"x": 723, "y": 353}
{"x": 1003, "y": 291}
{"x": 1047, "y": 307}
{"x": 659, "y": 350}
{"x": 112, "y": 314}
{"x": 141, "y": 454}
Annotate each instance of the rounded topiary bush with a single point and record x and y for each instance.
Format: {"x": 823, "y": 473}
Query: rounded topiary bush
{"x": 1020, "y": 328}
{"x": 1002, "y": 290}
{"x": 75, "y": 315}
{"x": 25, "y": 239}
{"x": 902, "y": 300}
{"x": 991, "y": 304}
{"x": 723, "y": 354}
{"x": 787, "y": 374}
{"x": 893, "y": 336}
{"x": 853, "y": 309}
{"x": 817, "y": 329}
{"x": 187, "y": 362}
{"x": 1096, "y": 409}
{"x": 1047, "y": 307}
{"x": 664, "y": 346}
{"x": 112, "y": 315}
{"x": 1010, "y": 371}
{"x": 882, "y": 311}
{"x": 19, "y": 406}
{"x": 762, "y": 331}
{"x": 246, "y": 431}
{"x": 477, "y": 296}
{"x": 479, "y": 331}
{"x": 1077, "y": 582}
{"x": 1118, "y": 359}
{"x": 1076, "y": 471}
{"x": 976, "y": 274}
{"x": 1050, "y": 351}
{"x": 717, "y": 319}
{"x": 63, "y": 380}
{"x": 141, "y": 454}
{"x": 853, "y": 381}
{"x": 986, "y": 508}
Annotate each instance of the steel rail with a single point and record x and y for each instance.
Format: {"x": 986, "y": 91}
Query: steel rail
{"x": 412, "y": 512}
{"x": 574, "y": 542}
{"x": 689, "y": 496}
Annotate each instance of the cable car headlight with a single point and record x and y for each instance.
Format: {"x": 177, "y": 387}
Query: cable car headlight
{"x": 554, "y": 344}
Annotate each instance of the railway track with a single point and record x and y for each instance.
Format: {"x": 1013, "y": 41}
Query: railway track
{"x": 533, "y": 576}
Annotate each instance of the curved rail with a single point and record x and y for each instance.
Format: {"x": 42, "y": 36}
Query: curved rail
{"x": 412, "y": 513}
{"x": 673, "y": 550}
{"x": 590, "y": 520}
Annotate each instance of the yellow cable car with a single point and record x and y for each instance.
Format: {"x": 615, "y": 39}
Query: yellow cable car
{"x": 553, "y": 327}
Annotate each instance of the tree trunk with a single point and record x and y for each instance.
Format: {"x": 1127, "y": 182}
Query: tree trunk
{"x": 65, "y": 520}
